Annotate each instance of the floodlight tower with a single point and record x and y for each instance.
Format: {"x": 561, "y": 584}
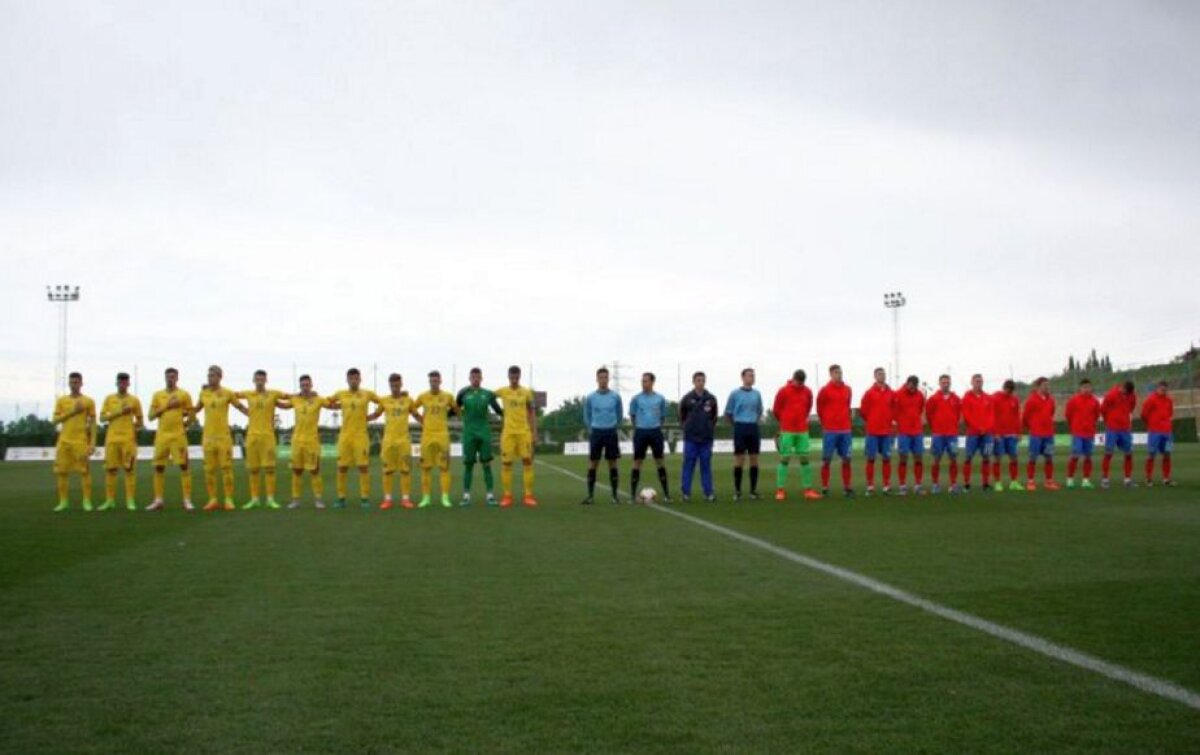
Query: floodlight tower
{"x": 894, "y": 301}
{"x": 62, "y": 295}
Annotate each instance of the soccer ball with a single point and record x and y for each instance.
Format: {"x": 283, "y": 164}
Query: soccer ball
{"x": 647, "y": 495}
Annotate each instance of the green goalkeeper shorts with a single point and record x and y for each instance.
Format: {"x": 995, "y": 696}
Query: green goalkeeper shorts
{"x": 793, "y": 444}
{"x": 477, "y": 446}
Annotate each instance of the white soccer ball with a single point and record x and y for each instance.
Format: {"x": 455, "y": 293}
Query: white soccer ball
{"x": 647, "y": 495}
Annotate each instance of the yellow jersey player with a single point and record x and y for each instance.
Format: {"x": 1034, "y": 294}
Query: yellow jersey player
{"x": 215, "y": 400}
{"x": 173, "y": 408}
{"x": 76, "y": 441}
{"x": 437, "y": 406}
{"x": 123, "y": 413}
{"x": 306, "y": 440}
{"x": 396, "y": 450}
{"x": 353, "y": 445}
{"x": 260, "y": 439}
{"x": 516, "y": 437}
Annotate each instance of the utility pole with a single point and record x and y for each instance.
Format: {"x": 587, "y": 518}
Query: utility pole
{"x": 62, "y": 295}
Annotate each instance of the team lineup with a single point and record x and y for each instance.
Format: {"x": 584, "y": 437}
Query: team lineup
{"x": 993, "y": 424}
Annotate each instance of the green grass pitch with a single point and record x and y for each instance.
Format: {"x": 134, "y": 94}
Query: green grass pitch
{"x": 609, "y": 628}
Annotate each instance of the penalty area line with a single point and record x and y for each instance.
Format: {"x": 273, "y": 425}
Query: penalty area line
{"x": 1062, "y": 653}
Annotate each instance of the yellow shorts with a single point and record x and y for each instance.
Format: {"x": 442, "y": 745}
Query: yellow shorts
{"x": 260, "y": 451}
{"x": 396, "y": 456}
{"x": 120, "y": 454}
{"x": 70, "y": 456}
{"x": 435, "y": 452}
{"x": 515, "y": 446}
{"x": 306, "y": 454}
{"x": 353, "y": 452}
{"x": 172, "y": 448}
{"x": 218, "y": 454}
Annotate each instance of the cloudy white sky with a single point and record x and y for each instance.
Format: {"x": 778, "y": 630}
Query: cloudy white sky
{"x": 672, "y": 185}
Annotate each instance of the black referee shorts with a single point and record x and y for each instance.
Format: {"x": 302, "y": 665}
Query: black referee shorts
{"x": 746, "y": 439}
{"x": 648, "y": 439}
{"x": 604, "y": 443}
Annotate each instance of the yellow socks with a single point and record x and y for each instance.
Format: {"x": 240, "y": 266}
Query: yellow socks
{"x": 187, "y": 484}
{"x": 527, "y": 478}
{"x": 341, "y": 483}
{"x": 388, "y": 477}
{"x": 158, "y": 484}
{"x": 110, "y": 484}
{"x": 64, "y": 486}
{"x": 227, "y": 476}
{"x": 255, "y": 484}
{"x": 506, "y": 478}
{"x": 445, "y": 482}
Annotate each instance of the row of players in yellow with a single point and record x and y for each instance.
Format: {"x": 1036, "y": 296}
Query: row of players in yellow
{"x": 175, "y": 411}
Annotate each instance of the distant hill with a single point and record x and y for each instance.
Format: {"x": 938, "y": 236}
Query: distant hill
{"x": 1181, "y": 372}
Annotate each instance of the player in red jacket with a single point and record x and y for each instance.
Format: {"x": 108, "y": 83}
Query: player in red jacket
{"x": 1083, "y": 417}
{"x": 979, "y": 416}
{"x": 1038, "y": 419}
{"x": 1006, "y": 411}
{"x": 793, "y": 405}
{"x": 833, "y": 409}
{"x": 910, "y": 438}
{"x": 1158, "y": 410}
{"x": 879, "y": 412}
{"x": 944, "y": 411}
{"x": 1117, "y": 411}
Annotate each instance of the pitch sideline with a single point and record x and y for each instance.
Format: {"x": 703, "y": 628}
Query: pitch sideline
{"x": 1151, "y": 684}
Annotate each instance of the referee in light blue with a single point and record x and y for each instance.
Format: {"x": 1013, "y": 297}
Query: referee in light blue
{"x": 648, "y": 410}
{"x": 744, "y": 410}
{"x": 602, "y": 412}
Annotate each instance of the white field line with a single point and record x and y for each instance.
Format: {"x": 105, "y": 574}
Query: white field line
{"x": 1155, "y": 686}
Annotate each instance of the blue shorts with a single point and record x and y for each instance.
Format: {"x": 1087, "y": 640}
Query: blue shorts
{"x": 944, "y": 444}
{"x": 1118, "y": 439}
{"x": 979, "y": 444}
{"x": 1041, "y": 445}
{"x": 1004, "y": 445}
{"x": 1083, "y": 445}
{"x": 1159, "y": 443}
{"x": 838, "y": 443}
{"x": 910, "y": 444}
{"x": 879, "y": 444}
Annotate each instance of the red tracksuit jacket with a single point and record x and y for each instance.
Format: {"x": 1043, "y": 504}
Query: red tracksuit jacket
{"x": 943, "y": 412}
{"x": 878, "y": 409}
{"x": 1117, "y": 410}
{"x": 978, "y": 413}
{"x": 1006, "y": 411}
{"x": 910, "y": 411}
{"x": 833, "y": 407}
{"x": 792, "y": 407}
{"x": 1038, "y": 415}
{"x": 1083, "y": 415}
{"x": 1157, "y": 412}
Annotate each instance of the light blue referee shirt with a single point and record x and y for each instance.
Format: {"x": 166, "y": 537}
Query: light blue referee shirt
{"x": 648, "y": 410}
{"x": 602, "y": 410}
{"x": 745, "y": 406}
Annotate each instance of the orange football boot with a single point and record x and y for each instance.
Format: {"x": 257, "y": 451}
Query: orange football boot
{"x": 811, "y": 495}
{"x": 506, "y": 501}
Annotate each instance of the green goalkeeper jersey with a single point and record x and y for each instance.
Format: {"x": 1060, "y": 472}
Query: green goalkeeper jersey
{"x": 474, "y": 404}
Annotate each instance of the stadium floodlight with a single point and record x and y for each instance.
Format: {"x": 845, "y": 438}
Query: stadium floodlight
{"x": 62, "y": 295}
{"x": 894, "y": 301}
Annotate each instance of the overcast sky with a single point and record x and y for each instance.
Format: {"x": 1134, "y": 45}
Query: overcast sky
{"x": 677, "y": 186}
